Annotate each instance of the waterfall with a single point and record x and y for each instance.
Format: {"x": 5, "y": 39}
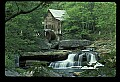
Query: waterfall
{"x": 92, "y": 59}
{"x": 65, "y": 63}
{"x": 80, "y": 59}
{"x": 75, "y": 60}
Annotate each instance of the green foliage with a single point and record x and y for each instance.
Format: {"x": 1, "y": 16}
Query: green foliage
{"x": 20, "y": 70}
{"x": 40, "y": 69}
{"x": 20, "y": 32}
{"x": 90, "y": 16}
{"x": 101, "y": 72}
{"x": 44, "y": 72}
{"x": 88, "y": 20}
{"x": 9, "y": 60}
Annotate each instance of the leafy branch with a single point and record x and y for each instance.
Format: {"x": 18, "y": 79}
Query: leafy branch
{"x": 42, "y": 4}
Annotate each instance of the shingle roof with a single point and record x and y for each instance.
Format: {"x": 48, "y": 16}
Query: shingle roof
{"x": 58, "y": 14}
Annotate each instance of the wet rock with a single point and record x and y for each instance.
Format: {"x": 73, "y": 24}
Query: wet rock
{"x": 45, "y": 72}
{"x": 11, "y": 73}
{"x": 46, "y": 56}
{"x": 70, "y": 44}
{"x": 43, "y": 56}
{"x": 44, "y": 45}
{"x": 76, "y": 73}
{"x": 54, "y": 45}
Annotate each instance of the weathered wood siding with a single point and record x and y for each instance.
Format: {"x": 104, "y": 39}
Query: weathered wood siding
{"x": 53, "y": 24}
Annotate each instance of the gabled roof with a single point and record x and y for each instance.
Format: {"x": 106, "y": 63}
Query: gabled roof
{"x": 58, "y": 14}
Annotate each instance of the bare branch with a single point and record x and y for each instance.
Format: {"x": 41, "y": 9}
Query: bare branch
{"x": 25, "y": 12}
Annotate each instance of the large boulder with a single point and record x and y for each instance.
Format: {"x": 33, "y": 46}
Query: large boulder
{"x": 69, "y": 44}
{"x": 11, "y": 73}
{"x": 44, "y": 45}
{"x": 49, "y": 56}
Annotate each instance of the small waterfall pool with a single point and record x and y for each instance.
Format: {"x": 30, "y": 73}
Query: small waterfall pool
{"x": 77, "y": 62}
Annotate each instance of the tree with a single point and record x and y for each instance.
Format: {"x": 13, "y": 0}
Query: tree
{"x": 11, "y": 14}
{"x": 21, "y": 26}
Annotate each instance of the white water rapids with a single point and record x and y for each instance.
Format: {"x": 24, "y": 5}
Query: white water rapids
{"x": 76, "y": 61}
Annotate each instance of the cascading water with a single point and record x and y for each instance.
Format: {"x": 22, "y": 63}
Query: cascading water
{"x": 92, "y": 59}
{"x": 65, "y": 63}
{"x": 75, "y": 60}
{"x": 79, "y": 60}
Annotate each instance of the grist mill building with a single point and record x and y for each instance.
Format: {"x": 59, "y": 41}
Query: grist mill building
{"x": 53, "y": 24}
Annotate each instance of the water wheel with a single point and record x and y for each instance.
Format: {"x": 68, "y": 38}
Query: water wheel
{"x": 50, "y": 35}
